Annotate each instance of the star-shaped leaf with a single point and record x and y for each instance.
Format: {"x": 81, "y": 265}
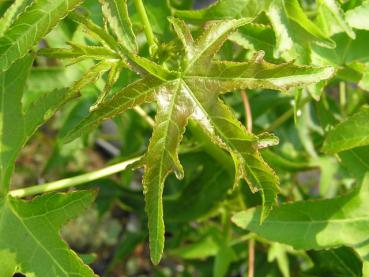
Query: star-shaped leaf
{"x": 194, "y": 92}
{"x": 29, "y": 235}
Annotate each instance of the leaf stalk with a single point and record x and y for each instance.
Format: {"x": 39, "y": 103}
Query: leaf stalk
{"x": 74, "y": 181}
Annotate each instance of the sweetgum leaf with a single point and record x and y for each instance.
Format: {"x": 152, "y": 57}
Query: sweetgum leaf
{"x": 194, "y": 93}
{"x": 16, "y": 126}
{"x": 29, "y": 235}
{"x": 30, "y": 27}
{"x": 317, "y": 224}
{"x": 116, "y": 15}
{"x": 351, "y": 133}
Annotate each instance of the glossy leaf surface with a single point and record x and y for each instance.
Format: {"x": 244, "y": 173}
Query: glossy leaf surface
{"x": 195, "y": 94}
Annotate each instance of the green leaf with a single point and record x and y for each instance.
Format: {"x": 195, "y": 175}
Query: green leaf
{"x": 337, "y": 16}
{"x": 296, "y": 13}
{"x": 347, "y": 50}
{"x": 29, "y": 235}
{"x": 342, "y": 261}
{"x": 226, "y": 9}
{"x": 18, "y": 126}
{"x": 359, "y": 17}
{"x": 116, "y": 16}
{"x": 256, "y": 37}
{"x": 314, "y": 224}
{"x": 294, "y": 31}
{"x": 30, "y": 27}
{"x": 195, "y": 93}
{"x": 351, "y": 133}
{"x": 174, "y": 109}
{"x": 11, "y": 13}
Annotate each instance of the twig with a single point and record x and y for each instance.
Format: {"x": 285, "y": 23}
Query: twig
{"x": 251, "y": 258}
{"x": 248, "y": 115}
{"x": 74, "y": 181}
{"x": 146, "y": 25}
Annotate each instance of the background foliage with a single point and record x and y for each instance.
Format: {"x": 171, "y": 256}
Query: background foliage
{"x": 260, "y": 108}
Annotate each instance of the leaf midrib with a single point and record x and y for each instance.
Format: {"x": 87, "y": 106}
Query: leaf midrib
{"x": 35, "y": 238}
{"x": 174, "y": 97}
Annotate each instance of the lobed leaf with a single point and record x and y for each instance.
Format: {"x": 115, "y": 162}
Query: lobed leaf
{"x": 194, "y": 93}
{"x": 174, "y": 109}
{"x": 30, "y": 27}
{"x": 29, "y": 235}
{"x": 116, "y": 16}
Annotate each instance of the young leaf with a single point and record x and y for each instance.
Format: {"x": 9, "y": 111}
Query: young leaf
{"x": 194, "y": 94}
{"x": 316, "y": 224}
{"x": 29, "y": 235}
{"x": 116, "y": 15}
{"x": 351, "y": 133}
{"x": 30, "y": 27}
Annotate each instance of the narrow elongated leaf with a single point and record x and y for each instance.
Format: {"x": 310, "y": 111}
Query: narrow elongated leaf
{"x": 29, "y": 235}
{"x": 194, "y": 93}
{"x": 116, "y": 15}
{"x": 316, "y": 224}
{"x": 351, "y": 133}
{"x": 135, "y": 94}
{"x": 174, "y": 109}
{"x": 30, "y": 27}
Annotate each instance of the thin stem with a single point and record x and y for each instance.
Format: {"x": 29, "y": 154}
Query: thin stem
{"x": 251, "y": 258}
{"x": 285, "y": 116}
{"x": 74, "y": 181}
{"x": 343, "y": 100}
{"x": 146, "y": 25}
{"x": 246, "y": 105}
{"x": 144, "y": 115}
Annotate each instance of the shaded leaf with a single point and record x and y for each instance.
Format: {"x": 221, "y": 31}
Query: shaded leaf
{"x": 342, "y": 261}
